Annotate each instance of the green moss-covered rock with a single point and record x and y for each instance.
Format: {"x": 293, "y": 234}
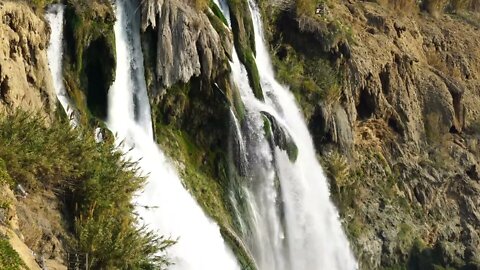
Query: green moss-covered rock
{"x": 279, "y": 136}
{"x": 193, "y": 127}
{"x": 90, "y": 56}
{"x": 244, "y": 41}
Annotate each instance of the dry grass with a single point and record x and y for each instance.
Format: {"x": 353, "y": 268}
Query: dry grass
{"x": 435, "y": 60}
{"x": 434, "y": 7}
{"x": 405, "y": 6}
{"x": 305, "y": 7}
{"x": 471, "y": 5}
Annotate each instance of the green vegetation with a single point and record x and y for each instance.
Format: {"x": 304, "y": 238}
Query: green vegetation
{"x": 279, "y": 136}
{"x": 97, "y": 183}
{"x": 5, "y": 178}
{"x": 218, "y": 12}
{"x": 310, "y": 79}
{"x": 188, "y": 144}
{"x": 88, "y": 34}
{"x": 244, "y": 41}
{"x": 338, "y": 170}
{"x": 195, "y": 135}
{"x": 9, "y": 258}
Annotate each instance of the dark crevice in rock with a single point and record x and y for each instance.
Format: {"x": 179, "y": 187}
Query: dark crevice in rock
{"x": 4, "y": 89}
{"x": 99, "y": 75}
{"x": 385, "y": 80}
{"x": 395, "y": 125}
{"x": 149, "y": 48}
{"x": 366, "y": 106}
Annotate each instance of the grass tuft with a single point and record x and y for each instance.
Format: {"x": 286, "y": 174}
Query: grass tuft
{"x": 96, "y": 182}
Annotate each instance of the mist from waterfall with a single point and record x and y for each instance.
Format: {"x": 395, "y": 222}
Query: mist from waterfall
{"x": 292, "y": 222}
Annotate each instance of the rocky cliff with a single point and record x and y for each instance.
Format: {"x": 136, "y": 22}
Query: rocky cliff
{"x": 187, "y": 43}
{"x": 400, "y": 139}
{"x": 391, "y": 94}
{"x": 25, "y": 81}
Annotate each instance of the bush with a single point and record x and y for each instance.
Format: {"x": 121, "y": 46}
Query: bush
{"x": 310, "y": 80}
{"x": 338, "y": 170}
{"x": 9, "y": 258}
{"x": 306, "y": 7}
{"x": 97, "y": 183}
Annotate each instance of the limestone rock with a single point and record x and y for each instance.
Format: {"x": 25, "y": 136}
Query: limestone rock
{"x": 188, "y": 45}
{"x": 409, "y": 115}
{"x": 25, "y": 79}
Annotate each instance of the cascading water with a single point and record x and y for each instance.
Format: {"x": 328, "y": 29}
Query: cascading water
{"x": 170, "y": 209}
{"x": 54, "y": 17}
{"x": 293, "y": 224}
{"x": 164, "y": 205}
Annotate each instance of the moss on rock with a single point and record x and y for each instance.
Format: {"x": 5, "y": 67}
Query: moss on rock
{"x": 244, "y": 41}
{"x": 279, "y": 136}
{"x": 90, "y": 57}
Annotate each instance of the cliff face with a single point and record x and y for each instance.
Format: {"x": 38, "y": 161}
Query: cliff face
{"x": 401, "y": 141}
{"x": 412, "y": 94}
{"x": 187, "y": 44}
{"x": 25, "y": 80}
{"x": 392, "y": 99}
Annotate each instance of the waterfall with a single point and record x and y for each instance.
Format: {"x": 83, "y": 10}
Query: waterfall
{"x": 164, "y": 205}
{"x": 293, "y": 223}
{"x": 54, "y": 17}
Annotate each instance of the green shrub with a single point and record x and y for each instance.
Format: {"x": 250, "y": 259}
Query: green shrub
{"x": 306, "y": 7}
{"x": 95, "y": 180}
{"x": 4, "y": 176}
{"x": 310, "y": 80}
{"x": 9, "y": 258}
{"x": 338, "y": 170}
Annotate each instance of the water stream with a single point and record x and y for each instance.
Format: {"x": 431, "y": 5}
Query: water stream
{"x": 292, "y": 222}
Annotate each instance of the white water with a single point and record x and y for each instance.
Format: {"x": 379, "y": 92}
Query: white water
{"x": 164, "y": 205}
{"x": 294, "y": 226}
{"x": 54, "y": 17}
{"x": 170, "y": 210}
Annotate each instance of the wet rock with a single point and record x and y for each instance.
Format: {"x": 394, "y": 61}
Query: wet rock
{"x": 279, "y": 136}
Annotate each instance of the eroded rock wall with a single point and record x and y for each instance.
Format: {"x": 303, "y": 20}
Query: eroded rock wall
{"x": 187, "y": 43}
{"x": 406, "y": 124}
{"x": 25, "y": 80}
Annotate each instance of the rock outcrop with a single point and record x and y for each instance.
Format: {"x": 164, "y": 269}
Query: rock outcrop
{"x": 408, "y": 120}
{"x": 25, "y": 80}
{"x": 188, "y": 45}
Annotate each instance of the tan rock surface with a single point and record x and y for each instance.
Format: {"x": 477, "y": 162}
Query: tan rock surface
{"x": 25, "y": 79}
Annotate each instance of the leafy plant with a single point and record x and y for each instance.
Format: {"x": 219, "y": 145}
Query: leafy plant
{"x": 96, "y": 181}
{"x": 309, "y": 79}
